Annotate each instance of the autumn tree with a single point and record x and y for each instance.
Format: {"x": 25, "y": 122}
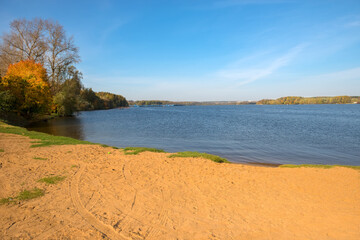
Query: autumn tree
{"x": 43, "y": 41}
{"x": 31, "y": 46}
{"x": 25, "y": 42}
{"x": 25, "y": 85}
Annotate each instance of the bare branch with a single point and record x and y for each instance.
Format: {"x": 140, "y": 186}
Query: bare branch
{"x": 43, "y": 41}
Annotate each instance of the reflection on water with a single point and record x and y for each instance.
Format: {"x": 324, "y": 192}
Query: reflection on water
{"x": 67, "y": 126}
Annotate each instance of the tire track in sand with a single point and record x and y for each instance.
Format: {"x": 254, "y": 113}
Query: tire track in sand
{"x": 134, "y": 213}
{"x": 89, "y": 218}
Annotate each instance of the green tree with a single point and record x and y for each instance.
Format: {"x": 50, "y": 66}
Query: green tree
{"x": 67, "y": 100}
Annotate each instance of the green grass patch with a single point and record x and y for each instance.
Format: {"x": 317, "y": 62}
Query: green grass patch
{"x": 317, "y": 166}
{"x": 52, "y": 179}
{"x": 74, "y": 166}
{"x": 104, "y": 145}
{"x": 137, "y": 150}
{"x": 30, "y": 194}
{"x": 2, "y": 150}
{"x": 43, "y": 139}
{"x": 24, "y": 195}
{"x": 39, "y": 158}
{"x": 5, "y": 201}
{"x": 200, "y": 155}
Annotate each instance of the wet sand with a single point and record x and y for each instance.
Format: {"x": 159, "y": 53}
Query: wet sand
{"x": 107, "y": 194}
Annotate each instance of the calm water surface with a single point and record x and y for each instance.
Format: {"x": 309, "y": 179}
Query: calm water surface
{"x": 318, "y": 134}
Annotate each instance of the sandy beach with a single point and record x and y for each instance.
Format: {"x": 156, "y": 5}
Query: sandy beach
{"x": 105, "y": 194}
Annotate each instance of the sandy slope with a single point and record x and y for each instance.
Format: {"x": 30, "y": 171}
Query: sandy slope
{"x": 150, "y": 196}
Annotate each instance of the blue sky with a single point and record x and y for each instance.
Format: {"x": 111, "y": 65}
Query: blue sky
{"x": 209, "y": 50}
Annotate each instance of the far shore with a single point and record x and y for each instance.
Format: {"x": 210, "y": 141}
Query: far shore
{"x": 57, "y": 187}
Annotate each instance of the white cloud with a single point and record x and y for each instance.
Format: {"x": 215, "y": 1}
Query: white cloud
{"x": 250, "y": 74}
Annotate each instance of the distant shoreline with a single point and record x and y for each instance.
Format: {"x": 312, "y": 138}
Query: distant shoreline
{"x": 290, "y": 100}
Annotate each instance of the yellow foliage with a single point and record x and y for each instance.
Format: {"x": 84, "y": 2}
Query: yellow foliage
{"x": 27, "y": 81}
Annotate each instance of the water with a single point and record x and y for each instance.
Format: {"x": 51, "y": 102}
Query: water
{"x": 317, "y": 134}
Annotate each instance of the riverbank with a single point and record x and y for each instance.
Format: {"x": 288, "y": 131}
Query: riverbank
{"x": 301, "y": 134}
{"x": 15, "y": 119}
{"x": 94, "y": 192}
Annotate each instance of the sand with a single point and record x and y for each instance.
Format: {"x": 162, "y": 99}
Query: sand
{"x": 109, "y": 195}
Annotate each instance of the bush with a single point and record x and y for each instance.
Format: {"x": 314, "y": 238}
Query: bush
{"x": 7, "y": 101}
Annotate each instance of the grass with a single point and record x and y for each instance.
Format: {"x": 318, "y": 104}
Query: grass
{"x": 30, "y": 194}
{"x": 39, "y": 158}
{"x": 5, "y": 201}
{"x": 24, "y": 195}
{"x": 52, "y": 179}
{"x": 137, "y": 150}
{"x": 200, "y": 155}
{"x": 104, "y": 145}
{"x": 317, "y": 166}
{"x": 2, "y": 150}
{"x": 74, "y": 166}
{"x": 43, "y": 139}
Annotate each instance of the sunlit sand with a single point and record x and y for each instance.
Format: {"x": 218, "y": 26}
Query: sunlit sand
{"x": 106, "y": 194}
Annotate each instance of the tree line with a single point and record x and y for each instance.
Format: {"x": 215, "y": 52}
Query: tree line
{"x": 38, "y": 73}
{"x": 91, "y": 100}
{"x": 188, "y": 103}
{"x": 291, "y": 100}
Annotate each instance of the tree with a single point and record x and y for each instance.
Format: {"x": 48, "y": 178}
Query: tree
{"x": 61, "y": 54}
{"x": 26, "y": 82}
{"x": 7, "y": 101}
{"x": 24, "y": 42}
{"x": 43, "y": 41}
{"x": 67, "y": 100}
{"x": 313, "y": 100}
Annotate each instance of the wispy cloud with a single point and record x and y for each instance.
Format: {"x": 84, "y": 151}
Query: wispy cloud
{"x": 343, "y": 82}
{"x": 353, "y": 24}
{"x": 250, "y": 74}
{"x": 111, "y": 29}
{"x": 342, "y": 76}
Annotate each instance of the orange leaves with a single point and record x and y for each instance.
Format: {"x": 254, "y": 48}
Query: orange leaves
{"x": 33, "y": 72}
{"x": 27, "y": 81}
